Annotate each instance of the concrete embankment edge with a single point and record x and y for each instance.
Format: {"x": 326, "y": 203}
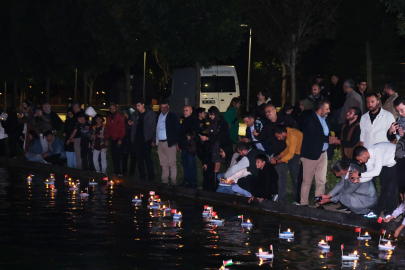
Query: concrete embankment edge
{"x": 309, "y": 214}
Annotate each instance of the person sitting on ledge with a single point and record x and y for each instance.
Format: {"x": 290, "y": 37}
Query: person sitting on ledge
{"x": 265, "y": 185}
{"x": 35, "y": 149}
{"x": 56, "y": 154}
{"x": 358, "y": 198}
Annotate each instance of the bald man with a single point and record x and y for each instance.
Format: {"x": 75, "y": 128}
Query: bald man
{"x": 189, "y": 129}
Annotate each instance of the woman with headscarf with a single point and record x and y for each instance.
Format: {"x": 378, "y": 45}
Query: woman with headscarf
{"x": 263, "y": 100}
{"x": 231, "y": 117}
{"x": 306, "y": 106}
{"x": 56, "y": 122}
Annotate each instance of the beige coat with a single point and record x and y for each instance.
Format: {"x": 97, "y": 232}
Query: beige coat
{"x": 389, "y": 105}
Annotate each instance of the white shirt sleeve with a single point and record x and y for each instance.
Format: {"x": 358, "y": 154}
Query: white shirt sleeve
{"x": 400, "y": 210}
{"x": 242, "y": 164}
{"x": 373, "y": 170}
{"x": 362, "y": 129}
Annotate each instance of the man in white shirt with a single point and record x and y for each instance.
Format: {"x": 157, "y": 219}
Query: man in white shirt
{"x": 375, "y": 123}
{"x": 380, "y": 161}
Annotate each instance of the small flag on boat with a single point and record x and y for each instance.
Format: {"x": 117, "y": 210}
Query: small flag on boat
{"x": 342, "y": 246}
{"x": 271, "y": 247}
{"x": 52, "y": 186}
{"x": 174, "y": 211}
{"x": 380, "y": 219}
{"x": 214, "y": 214}
{"x": 240, "y": 216}
{"x": 358, "y": 229}
{"x": 156, "y": 196}
{"x": 66, "y": 176}
{"x": 209, "y": 208}
{"x": 105, "y": 178}
{"x": 229, "y": 262}
{"x": 383, "y": 232}
{"x": 329, "y": 238}
{"x": 206, "y": 206}
{"x": 151, "y": 193}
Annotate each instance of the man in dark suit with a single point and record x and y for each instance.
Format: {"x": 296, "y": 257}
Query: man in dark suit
{"x": 314, "y": 156}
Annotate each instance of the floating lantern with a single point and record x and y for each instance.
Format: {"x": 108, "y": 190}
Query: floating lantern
{"x": 247, "y": 224}
{"x": 93, "y": 183}
{"x": 153, "y": 206}
{"x": 216, "y": 221}
{"x": 49, "y": 182}
{"x": 52, "y": 177}
{"x": 324, "y": 245}
{"x": 285, "y": 234}
{"x": 137, "y": 200}
{"x": 110, "y": 183}
{"x": 53, "y": 189}
{"x": 386, "y": 246}
{"x": 366, "y": 236}
{"x": 265, "y": 254}
{"x": 207, "y": 211}
{"x": 177, "y": 216}
{"x": 350, "y": 257}
{"x": 66, "y": 178}
{"x": 29, "y": 178}
{"x": 74, "y": 187}
{"x": 84, "y": 194}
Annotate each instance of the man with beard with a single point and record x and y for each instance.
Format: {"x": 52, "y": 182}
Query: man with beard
{"x": 362, "y": 87}
{"x": 375, "y": 123}
{"x": 316, "y": 93}
{"x": 390, "y": 89}
{"x": 350, "y": 135}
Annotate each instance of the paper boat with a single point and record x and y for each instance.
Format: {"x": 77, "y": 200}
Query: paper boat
{"x": 286, "y": 234}
{"x": 264, "y": 254}
{"x": 351, "y": 257}
{"x": 323, "y": 245}
{"x": 386, "y": 246}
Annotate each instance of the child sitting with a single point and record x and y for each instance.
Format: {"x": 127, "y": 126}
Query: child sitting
{"x": 400, "y": 210}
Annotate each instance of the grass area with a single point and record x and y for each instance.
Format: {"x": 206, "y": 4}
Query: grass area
{"x": 330, "y": 182}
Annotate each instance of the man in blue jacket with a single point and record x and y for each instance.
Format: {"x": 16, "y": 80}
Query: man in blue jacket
{"x": 56, "y": 154}
{"x": 314, "y": 156}
{"x": 167, "y": 135}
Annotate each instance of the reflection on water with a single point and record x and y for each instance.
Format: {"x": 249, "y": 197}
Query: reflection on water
{"x": 62, "y": 230}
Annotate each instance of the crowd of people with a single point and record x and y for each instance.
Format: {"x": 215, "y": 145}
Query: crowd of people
{"x": 294, "y": 141}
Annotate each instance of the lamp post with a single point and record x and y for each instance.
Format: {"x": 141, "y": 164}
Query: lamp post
{"x": 248, "y": 79}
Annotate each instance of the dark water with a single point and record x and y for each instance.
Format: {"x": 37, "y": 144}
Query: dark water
{"x": 62, "y": 231}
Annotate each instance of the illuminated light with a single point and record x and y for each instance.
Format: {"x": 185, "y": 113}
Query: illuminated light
{"x": 97, "y": 93}
{"x": 42, "y": 92}
{"x": 248, "y": 221}
{"x": 366, "y": 233}
{"x": 30, "y": 86}
{"x": 206, "y": 85}
{"x": 288, "y": 230}
{"x": 103, "y": 103}
{"x": 260, "y": 250}
{"x": 355, "y": 252}
{"x": 322, "y": 241}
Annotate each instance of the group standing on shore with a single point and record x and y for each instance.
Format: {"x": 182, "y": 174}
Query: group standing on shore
{"x": 276, "y": 144}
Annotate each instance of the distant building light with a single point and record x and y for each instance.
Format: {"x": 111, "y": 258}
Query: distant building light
{"x": 42, "y": 92}
{"x": 97, "y": 93}
{"x": 30, "y": 86}
{"x": 103, "y": 103}
{"x": 103, "y": 92}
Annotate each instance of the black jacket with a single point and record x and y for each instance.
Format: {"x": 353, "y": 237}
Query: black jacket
{"x": 222, "y": 135}
{"x": 68, "y": 128}
{"x": 189, "y": 123}
{"x": 337, "y": 96}
{"x": 56, "y": 122}
{"x": 300, "y": 119}
{"x": 314, "y": 138}
{"x": 172, "y": 128}
{"x": 267, "y": 132}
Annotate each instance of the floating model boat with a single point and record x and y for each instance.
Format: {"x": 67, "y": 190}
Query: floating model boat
{"x": 93, "y": 183}
{"x": 110, "y": 183}
{"x": 153, "y": 206}
{"x": 29, "y": 178}
{"x": 350, "y": 257}
{"x": 285, "y": 234}
{"x": 216, "y": 221}
{"x": 49, "y": 182}
{"x": 84, "y": 194}
{"x": 366, "y": 236}
{"x": 52, "y": 177}
{"x": 74, "y": 187}
{"x": 265, "y": 254}
{"x": 177, "y": 216}
{"x": 386, "y": 246}
{"x": 137, "y": 200}
{"x": 323, "y": 245}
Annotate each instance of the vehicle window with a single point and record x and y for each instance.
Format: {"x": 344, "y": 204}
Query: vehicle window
{"x": 209, "y": 84}
{"x": 226, "y": 84}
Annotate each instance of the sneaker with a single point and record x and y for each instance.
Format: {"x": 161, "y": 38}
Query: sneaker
{"x": 345, "y": 211}
{"x": 296, "y": 203}
{"x": 371, "y": 215}
{"x": 388, "y": 216}
{"x": 274, "y": 198}
{"x": 341, "y": 208}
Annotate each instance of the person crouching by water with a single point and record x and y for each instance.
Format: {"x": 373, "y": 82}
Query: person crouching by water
{"x": 358, "y": 198}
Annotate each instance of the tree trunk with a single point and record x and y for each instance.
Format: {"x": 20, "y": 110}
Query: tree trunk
{"x": 91, "y": 87}
{"x": 85, "y": 88}
{"x": 14, "y": 95}
{"x": 128, "y": 85}
{"x": 369, "y": 66}
{"x": 92, "y": 79}
{"x": 292, "y": 73}
{"x": 48, "y": 90}
{"x": 284, "y": 85}
{"x": 197, "y": 85}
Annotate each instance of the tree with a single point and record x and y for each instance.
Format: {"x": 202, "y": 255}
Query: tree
{"x": 290, "y": 27}
{"x": 397, "y": 6}
{"x": 193, "y": 32}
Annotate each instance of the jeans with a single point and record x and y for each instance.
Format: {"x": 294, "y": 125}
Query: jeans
{"x": 293, "y": 167}
{"x": 240, "y": 190}
{"x": 77, "y": 153}
{"x": 103, "y": 154}
{"x": 86, "y": 155}
{"x": 116, "y": 154}
{"x": 189, "y": 167}
{"x": 388, "y": 199}
{"x": 71, "y": 159}
{"x": 143, "y": 156}
{"x": 35, "y": 158}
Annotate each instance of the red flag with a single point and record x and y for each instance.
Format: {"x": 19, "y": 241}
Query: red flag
{"x": 66, "y": 176}
{"x": 383, "y": 231}
{"x": 174, "y": 211}
{"x": 151, "y": 193}
{"x": 271, "y": 247}
{"x": 105, "y": 178}
{"x": 206, "y": 206}
{"x": 342, "y": 246}
{"x": 329, "y": 238}
{"x": 52, "y": 186}
{"x": 214, "y": 214}
{"x": 156, "y": 196}
{"x": 358, "y": 229}
{"x": 380, "y": 219}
